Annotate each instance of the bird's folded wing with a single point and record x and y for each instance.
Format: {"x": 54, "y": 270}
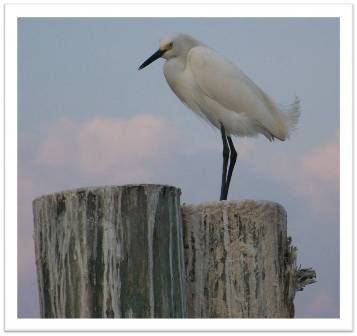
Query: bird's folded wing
{"x": 225, "y": 83}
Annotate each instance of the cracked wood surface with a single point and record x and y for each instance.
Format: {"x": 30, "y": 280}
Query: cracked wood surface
{"x": 238, "y": 260}
{"x": 133, "y": 251}
{"x": 110, "y": 252}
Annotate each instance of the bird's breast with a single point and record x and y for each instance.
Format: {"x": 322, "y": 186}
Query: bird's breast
{"x": 181, "y": 82}
{"x": 174, "y": 73}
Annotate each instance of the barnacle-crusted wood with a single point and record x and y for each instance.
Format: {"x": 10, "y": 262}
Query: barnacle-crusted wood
{"x": 110, "y": 252}
{"x": 238, "y": 259}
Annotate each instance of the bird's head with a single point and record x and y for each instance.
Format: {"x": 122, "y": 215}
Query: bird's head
{"x": 177, "y": 45}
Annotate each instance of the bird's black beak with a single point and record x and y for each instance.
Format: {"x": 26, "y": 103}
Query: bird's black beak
{"x": 152, "y": 58}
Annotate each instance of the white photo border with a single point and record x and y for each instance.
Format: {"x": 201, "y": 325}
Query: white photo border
{"x": 15, "y": 11}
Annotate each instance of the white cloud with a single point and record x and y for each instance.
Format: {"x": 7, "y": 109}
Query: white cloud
{"x": 313, "y": 176}
{"x": 110, "y": 148}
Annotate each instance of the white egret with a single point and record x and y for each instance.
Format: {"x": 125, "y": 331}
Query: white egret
{"x": 223, "y": 95}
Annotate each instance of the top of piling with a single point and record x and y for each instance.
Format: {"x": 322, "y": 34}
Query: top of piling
{"x": 147, "y": 186}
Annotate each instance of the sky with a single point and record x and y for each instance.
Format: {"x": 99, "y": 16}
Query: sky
{"x": 88, "y": 117}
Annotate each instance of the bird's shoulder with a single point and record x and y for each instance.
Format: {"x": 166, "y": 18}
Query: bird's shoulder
{"x": 225, "y": 83}
{"x": 207, "y": 60}
{"x": 213, "y": 72}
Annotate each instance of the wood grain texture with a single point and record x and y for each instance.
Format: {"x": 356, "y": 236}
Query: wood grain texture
{"x": 238, "y": 260}
{"x": 132, "y": 251}
{"x": 110, "y": 252}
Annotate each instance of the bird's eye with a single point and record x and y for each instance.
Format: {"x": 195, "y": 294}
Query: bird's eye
{"x": 170, "y": 45}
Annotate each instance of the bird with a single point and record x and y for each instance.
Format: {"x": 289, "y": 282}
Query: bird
{"x": 223, "y": 95}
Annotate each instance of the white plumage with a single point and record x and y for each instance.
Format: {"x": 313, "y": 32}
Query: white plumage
{"x": 221, "y": 93}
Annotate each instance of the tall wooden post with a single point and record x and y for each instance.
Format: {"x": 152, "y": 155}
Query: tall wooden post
{"x": 239, "y": 261}
{"x": 127, "y": 252}
{"x": 110, "y": 252}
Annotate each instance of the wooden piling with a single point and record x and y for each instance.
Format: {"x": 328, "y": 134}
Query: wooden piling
{"x": 239, "y": 260}
{"x": 133, "y": 251}
{"x": 110, "y": 252}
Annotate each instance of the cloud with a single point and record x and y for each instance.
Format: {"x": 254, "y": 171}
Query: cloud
{"x": 321, "y": 304}
{"x": 323, "y": 163}
{"x": 319, "y": 178}
{"x": 312, "y": 176}
{"x": 110, "y": 148}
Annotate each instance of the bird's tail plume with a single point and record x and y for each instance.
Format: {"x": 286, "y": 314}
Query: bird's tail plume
{"x": 286, "y": 118}
{"x": 292, "y": 114}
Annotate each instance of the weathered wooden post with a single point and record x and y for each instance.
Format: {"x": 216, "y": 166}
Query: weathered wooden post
{"x": 132, "y": 251}
{"x": 110, "y": 252}
{"x": 239, "y": 261}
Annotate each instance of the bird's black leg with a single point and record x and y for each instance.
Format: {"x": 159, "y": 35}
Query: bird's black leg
{"x": 232, "y": 163}
{"x": 225, "y": 163}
